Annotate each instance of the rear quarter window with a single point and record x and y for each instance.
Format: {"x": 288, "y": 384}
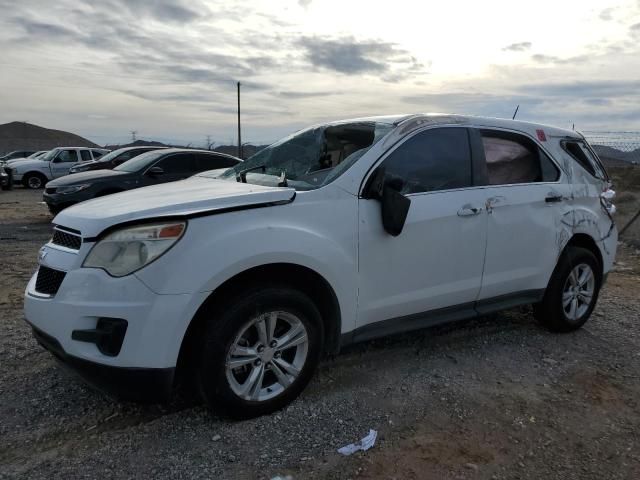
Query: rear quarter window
{"x": 579, "y": 151}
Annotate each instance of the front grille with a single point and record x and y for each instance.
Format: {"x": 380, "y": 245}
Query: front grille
{"x": 66, "y": 239}
{"x": 49, "y": 280}
{"x": 50, "y": 190}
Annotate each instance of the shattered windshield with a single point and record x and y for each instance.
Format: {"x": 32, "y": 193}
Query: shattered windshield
{"x": 310, "y": 158}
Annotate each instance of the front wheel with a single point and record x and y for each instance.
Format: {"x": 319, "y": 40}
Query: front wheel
{"x": 34, "y": 181}
{"x": 259, "y": 351}
{"x": 572, "y": 292}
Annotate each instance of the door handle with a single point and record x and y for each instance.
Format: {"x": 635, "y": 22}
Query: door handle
{"x": 553, "y": 198}
{"x": 468, "y": 211}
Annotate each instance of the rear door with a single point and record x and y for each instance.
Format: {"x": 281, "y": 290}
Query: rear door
{"x": 209, "y": 161}
{"x": 65, "y": 159}
{"x": 174, "y": 167}
{"x": 436, "y": 262}
{"x": 525, "y": 203}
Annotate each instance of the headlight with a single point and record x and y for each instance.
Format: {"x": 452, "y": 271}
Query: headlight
{"x": 124, "y": 251}
{"x": 72, "y": 188}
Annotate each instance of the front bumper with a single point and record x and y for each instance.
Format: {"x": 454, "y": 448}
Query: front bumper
{"x": 156, "y": 323}
{"x": 61, "y": 199}
{"x": 135, "y": 384}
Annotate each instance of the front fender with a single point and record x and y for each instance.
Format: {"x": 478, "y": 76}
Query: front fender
{"x": 320, "y": 236}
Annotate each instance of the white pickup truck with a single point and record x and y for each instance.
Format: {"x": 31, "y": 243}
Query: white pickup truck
{"x": 56, "y": 163}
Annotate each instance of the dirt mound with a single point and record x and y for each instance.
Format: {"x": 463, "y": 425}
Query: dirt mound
{"x": 25, "y": 136}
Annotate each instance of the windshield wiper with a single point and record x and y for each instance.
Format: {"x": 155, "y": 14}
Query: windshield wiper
{"x": 241, "y": 176}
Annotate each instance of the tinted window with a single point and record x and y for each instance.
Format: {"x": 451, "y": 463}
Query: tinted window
{"x": 205, "y": 161}
{"x": 513, "y": 158}
{"x": 140, "y": 162}
{"x": 97, "y": 153}
{"x": 124, "y": 156}
{"x": 85, "y": 155}
{"x": 67, "y": 156}
{"x": 582, "y": 154}
{"x": 438, "y": 159}
{"x": 177, "y": 164}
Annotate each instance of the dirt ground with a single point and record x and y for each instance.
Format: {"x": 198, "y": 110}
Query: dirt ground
{"x": 497, "y": 398}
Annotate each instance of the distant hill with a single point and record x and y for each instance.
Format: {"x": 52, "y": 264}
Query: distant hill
{"x": 613, "y": 156}
{"x": 139, "y": 143}
{"x": 26, "y": 136}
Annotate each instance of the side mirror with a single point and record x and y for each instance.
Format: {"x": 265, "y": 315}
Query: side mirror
{"x": 155, "y": 171}
{"x": 393, "y": 204}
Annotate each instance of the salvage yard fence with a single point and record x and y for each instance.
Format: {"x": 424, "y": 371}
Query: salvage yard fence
{"x": 621, "y": 146}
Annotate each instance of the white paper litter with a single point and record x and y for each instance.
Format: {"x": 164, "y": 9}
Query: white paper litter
{"x": 365, "y": 444}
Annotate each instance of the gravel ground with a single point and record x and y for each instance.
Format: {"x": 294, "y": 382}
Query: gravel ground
{"x": 495, "y": 398}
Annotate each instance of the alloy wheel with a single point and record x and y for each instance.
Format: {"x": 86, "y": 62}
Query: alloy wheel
{"x": 267, "y": 356}
{"x": 578, "y": 291}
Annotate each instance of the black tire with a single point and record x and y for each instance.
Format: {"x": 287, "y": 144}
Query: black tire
{"x": 34, "y": 181}
{"x": 226, "y": 322}
{"x": 551, "y": 312}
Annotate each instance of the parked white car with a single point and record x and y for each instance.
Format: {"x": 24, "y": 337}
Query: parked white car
{"x": 340, "y": 233}
{"x": 35, "y": 173}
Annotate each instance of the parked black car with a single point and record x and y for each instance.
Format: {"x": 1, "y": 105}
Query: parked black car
{"x": 158, "y": 166}
{"x": 112, "y": 159}
{"x": 16, "y": 154}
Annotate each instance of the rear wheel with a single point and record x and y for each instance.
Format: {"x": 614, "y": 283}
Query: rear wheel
{"x": 572, "y": 292}
{"x": 34, "y": 181}
{"x": 259, "y": 352}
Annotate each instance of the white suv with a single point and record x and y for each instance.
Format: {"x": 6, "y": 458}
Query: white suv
{"x": 36, "y": 172}
{"x": 339, "y": 233}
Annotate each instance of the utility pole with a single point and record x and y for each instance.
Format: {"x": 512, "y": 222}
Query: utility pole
{"x": 133, "y": 136}
{"x": 239, "y": 137}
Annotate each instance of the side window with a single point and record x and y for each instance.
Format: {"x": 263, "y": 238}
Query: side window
{"x": 513, "y": 158}
{"x": 206, "y": 161}
{"x": 580, "y": 153}
{"x": 85, "y": 155}
{"x": 180, "y": 163}
{"x": 97, "y": 154}
{"x": 123, "y": 157}
{"x": 67, "y": 156}
{"x": 437, "y": 159}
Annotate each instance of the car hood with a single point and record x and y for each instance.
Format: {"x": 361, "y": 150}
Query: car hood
{"x": 21, "y": 164}
{"x": 85, "y": 162}
{"x": 13, "y": 161}
{"x": 86, "y": 177}
{"x": 194, "y": 196}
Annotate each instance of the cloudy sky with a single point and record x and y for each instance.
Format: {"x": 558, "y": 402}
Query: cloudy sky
{"x": 167, "y": 68}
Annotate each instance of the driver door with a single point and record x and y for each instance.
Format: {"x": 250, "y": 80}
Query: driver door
{"x": 63, "y": 162}
{"x": 432, "y": 271}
